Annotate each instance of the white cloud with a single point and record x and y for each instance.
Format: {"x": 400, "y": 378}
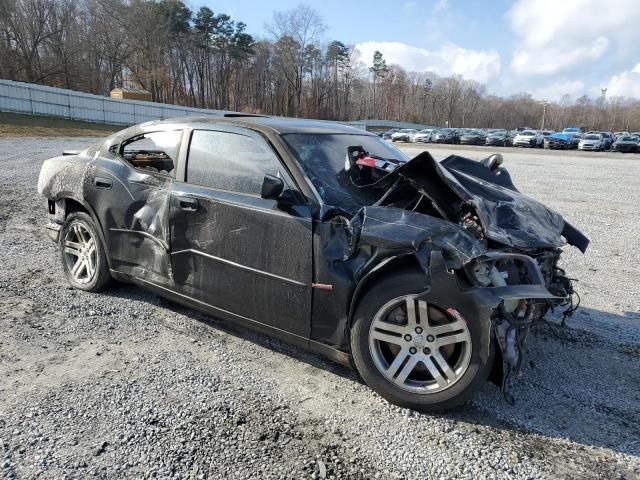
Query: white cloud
{"x": 624, "y": 84}
{"x": 555, "y": 90}
{"x": 441, "y": 6}
{"x": 557, "y": 36}
{"x": 478, "y": 65}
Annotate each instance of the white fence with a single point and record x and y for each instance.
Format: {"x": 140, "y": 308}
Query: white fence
{"x": 57, "y": 102}
{"x": 35, "y": 99}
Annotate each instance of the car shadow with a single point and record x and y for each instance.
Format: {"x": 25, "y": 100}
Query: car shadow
{"x": 573, "y": 385}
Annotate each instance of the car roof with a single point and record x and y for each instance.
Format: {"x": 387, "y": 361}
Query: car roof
{"x": 281, "y": 125}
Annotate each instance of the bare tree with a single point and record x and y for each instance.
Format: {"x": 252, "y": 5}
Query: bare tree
{"x": 208, "y": 59}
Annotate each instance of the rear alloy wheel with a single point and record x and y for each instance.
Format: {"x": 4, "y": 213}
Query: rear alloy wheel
{"x": 417, "y": 354}
{"x": 83, "y": 257}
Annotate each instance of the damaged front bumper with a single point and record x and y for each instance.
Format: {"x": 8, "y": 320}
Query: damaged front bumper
{"x": 505, "y": 311}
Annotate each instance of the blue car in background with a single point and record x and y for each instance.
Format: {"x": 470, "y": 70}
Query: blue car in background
{"x": 607, "y": 140}
{"x": 573, "y": 131}
{"x": 558, "y": 141}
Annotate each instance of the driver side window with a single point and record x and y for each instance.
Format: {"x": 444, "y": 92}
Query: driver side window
{"x": 155, "y": 152}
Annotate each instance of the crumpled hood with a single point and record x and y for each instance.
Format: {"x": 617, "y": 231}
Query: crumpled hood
{"x": 508, "y": 217}
{"x": 397, "y": 231}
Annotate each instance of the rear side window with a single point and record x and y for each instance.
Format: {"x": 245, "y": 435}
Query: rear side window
{"x": 229, "y": 161}
{"x": 154, "y": 152}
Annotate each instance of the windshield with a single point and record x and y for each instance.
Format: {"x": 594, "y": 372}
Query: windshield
{"x": 592, "y": 137}
{"x": 528, "y": 134}
{"x": 323, "y": 158}
{"x": 628, "y": 139}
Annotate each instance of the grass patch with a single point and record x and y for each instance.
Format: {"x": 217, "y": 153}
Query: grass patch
{"x": 18, "y": 125}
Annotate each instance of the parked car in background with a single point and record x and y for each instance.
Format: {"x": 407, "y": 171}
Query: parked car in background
{"x": 387, "y": 135}
{"x": 500, "y": 138}
{"x": 404, "y": 135}
{"x": 472, "y": 137}
{"x": 424, "y": 136}
{"x": 575, "y": 139}
{"x": 607, "y": 139}
{"x": 625, "y": 144}
{"x": 558, "y": 141}
{"x": 617, "y": 135}
{"x": 446, "y": 135}
{"x": 573, "y": 131}
{"x": 591, "y": 141}
{"x": 529, "y": 138}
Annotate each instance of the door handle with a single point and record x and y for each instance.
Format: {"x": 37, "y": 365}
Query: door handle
{"x": 101, "y": 182}
{"x": 188, "y": 204}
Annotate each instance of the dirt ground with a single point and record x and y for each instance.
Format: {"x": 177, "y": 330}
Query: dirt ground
{"x": 18, "y": 125}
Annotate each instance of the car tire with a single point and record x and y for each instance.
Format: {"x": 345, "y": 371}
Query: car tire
{"x": 421, "y": 390}
{"x": 82, "y": 253}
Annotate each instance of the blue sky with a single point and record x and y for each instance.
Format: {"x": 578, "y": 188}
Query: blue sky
{"x": 545, "y": 47}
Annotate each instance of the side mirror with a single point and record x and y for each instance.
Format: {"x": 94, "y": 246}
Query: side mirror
{"x": 272, "y": 187}
{"x": 493, "y": 162}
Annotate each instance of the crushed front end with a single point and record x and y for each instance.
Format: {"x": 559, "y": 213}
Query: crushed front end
{"x": 482, "y": 243}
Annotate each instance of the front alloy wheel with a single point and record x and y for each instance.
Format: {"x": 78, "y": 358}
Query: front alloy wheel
{"x": 417, "y": 347}
{"x": 415, "y": 353}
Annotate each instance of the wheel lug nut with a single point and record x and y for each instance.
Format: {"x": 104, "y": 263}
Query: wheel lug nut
{"x": 430, "y": 338}
{"x": 412, "y": 350}
{"x": 426, "y": 351}
{"x": 407, "y": 337}
{"x": 418, "y": 330}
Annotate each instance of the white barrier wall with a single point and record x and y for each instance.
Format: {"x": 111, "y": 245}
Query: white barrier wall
{"x": 35, "y": 99}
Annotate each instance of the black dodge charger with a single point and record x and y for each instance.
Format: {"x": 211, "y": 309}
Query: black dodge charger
{"x": 425, "y": 276}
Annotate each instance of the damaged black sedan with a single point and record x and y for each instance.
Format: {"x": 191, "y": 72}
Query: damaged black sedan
{"x": 425, "y": 276}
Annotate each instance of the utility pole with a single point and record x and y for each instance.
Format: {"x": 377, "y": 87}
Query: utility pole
{"x": 603, "y": 101}
{"x": 544, "y": 113}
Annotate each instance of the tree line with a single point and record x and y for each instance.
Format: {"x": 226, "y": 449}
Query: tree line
{"x": 209, "y": 60}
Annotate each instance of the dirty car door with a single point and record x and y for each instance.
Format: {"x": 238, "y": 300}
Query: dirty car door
{"x": 232, "y": 249}
{"x": 129, "y": 188}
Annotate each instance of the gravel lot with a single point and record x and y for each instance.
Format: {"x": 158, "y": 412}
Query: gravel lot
{"x": 125, "y": 384}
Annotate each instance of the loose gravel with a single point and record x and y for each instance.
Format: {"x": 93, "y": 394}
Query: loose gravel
{"x": 124, "y": 384}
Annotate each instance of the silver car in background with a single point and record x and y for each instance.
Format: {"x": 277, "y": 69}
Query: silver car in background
{"x": 404, "y": 135}
{"x": 424, "y": 136}
{"x": 592, "y": 141}
{"x": 529, "y": 138}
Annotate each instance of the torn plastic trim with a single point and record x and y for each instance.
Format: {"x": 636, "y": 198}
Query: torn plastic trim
{"x": 575, "y": 237}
